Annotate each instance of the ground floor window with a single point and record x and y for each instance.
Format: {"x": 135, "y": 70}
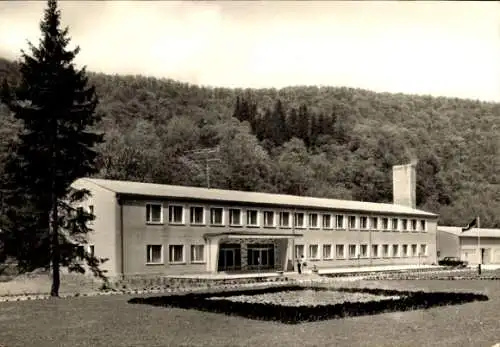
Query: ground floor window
{"x": 327, "y": 252}
{"x": 260, "y": 256}
{"x": 364, "y": 251}
{"x": 405, "y": 250}
{"x": 176, "y": 253}
{"x": 154, "y": 254}
{"x": 299, "y": 251}
{"x": 197, "y": 253}
{"x": 414, "y": 251}
{"x": 374, "y": 251}
{"x": 313, "y": 252}
{"x": 385, "y": 251}
{"x": 352, "y": 251}
{"x": 395, "y": 250}
{"x": 339, "y": 249}
{"x": 423, "y": 250}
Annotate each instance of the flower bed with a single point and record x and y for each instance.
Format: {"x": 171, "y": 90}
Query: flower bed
{"x": 276, "y": 310}
{"x": 306, "y": 297}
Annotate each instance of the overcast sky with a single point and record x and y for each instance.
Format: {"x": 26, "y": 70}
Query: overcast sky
{"x": 438, "y": 48}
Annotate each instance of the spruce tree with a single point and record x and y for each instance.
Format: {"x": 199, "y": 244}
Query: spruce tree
{"x": 56, "y": 146}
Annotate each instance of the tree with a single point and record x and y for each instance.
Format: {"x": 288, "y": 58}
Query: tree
{"x": 56, "y": 146}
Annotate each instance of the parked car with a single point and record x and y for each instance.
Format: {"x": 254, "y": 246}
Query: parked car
{"x": 453, "y": 261}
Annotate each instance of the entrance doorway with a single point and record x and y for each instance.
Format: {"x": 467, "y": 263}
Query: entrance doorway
{"x": 229, "y": 257}
{"x": 260, "y": 256}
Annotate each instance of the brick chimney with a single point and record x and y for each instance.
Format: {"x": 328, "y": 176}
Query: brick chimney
{"x": 404, "y": 184}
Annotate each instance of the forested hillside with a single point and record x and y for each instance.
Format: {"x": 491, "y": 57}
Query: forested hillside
{"x": 326, "y": 142}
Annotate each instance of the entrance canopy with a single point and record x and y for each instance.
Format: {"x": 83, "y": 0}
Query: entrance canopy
{"x": 251, "y": 235}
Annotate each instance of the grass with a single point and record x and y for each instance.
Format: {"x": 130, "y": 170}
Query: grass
{"x": 110, "y": 321}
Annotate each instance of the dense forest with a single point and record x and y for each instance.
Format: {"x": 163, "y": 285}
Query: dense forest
{"x": 332, "y": 142}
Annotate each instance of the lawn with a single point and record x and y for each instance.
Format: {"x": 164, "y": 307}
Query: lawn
{"x": 111, "y": 321}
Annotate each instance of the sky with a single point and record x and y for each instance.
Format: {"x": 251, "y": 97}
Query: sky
{"x": 436, "y": 48}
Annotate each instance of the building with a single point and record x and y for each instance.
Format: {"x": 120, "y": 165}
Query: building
{"x": 147, "y": 229}
{"x": 468, "y": 245}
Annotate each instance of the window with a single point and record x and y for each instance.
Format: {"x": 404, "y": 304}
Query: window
{"x": 154, "y": 254}
{"x": 80, "y": 252}
{"x": 404, "y": 223}
{"x": 364, "y": 251}
{"x": 339, "y": 250}
{"x": 394, "y": 224}
{"x": 414, "y": 250}
{"x": 385, "y": 223}
{"x": 340, "y": 222}
{"x": 385, "y": 251}
{"x": 352, "y": 251}
{"x": 197, "y": 253}
{"x": 363, "y": 221}
{"x": 92, "y": 250}
{"x": 234, "y": 216}
{"x": 423, "y": 250}
{"x": 422, "y": 225}
{"x": 352, "y": 222}
{"x": 327, "y": 221}
{"x": 374, "y": 223}
{"x": 313, "y": 220}
{"x": 268, "y": 218}
{"x": 284, "y": 219}
{"x": 374, "y": 251}
{"x": 414, "y": 225}
{"x": 327, "y": 252}
{"x": 176, "y": 253}
{"x": 197, "y": 215}
{"x": 395, "y": 250}
{"x": 313, "y": 252}
{"x": 216, "y": 216}
{"x": 91, "y": 209}
{"x": 404, "y": 250}
{"x": 299, "y": 251}
{"x": 175, "y": 214}
{"x": 252, "y": 219}
{"x": 154, "y": 213}
{"x": 299, "y": 220}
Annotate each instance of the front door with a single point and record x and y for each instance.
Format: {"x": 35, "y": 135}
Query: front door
{"x": 229, "y": 258}
{"x": 485, "y": 255}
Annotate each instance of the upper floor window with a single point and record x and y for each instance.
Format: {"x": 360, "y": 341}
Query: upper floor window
{"x": 299, "y": 220}
{"x": 197, "y": 215}
{"x": 352, "y": 222}
{"x": 176, "y": 214}
{"x": 374, "y": 223}
{"x": 234, "y": 216}
{"x": 385, "y": 223}
{"x": 313, "y": 220}
{"x": 413, "y": 224}
{"x": 340, "y": 222}
{"x": 327, "y": 221}
{"x": 252, "y": 219}
{"x": 394, "y": 224}
{"x": 284, "y": 219}
{"x": 216, "y": 216}
{"x": 422, "y": 225}
{"x": 363, "y": 221}
{"x": 154, "y": 213}
{"x": 404, "y": 224}
{"x": 268, "y": 218}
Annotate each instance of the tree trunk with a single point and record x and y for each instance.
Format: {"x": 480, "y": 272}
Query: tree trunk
{"x": 54, "y": 232}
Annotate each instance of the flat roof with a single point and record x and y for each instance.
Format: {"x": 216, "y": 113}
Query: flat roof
{"x": 474, "y": 232}
{"x": 209, "y": 194}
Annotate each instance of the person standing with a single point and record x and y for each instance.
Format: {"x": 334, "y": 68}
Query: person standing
{"x": 299, "y": 266}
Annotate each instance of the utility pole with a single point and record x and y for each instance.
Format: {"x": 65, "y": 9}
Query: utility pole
{"x": 206, "y": 156}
